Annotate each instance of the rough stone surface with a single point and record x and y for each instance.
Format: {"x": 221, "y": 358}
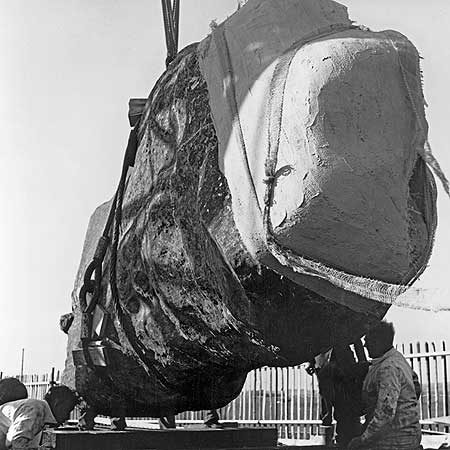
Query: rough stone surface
{"x": 196, "y": 310}
{"x": 193, "y": 299}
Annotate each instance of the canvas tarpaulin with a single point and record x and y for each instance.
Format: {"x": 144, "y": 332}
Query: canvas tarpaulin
{"x": 331, "y": 117}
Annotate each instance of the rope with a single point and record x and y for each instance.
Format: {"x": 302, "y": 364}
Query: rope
{"x": 95, "y": 267}
{"x": 171, "y": 14}
{"x": 136, "y": 346}
{"x": 93, "y": 286}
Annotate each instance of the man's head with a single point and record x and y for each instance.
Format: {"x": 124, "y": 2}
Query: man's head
{"x": 61, "y": 400}
{"x": 379, "y": 339}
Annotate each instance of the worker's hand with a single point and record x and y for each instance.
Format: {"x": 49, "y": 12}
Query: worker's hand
{"x": 311, "y": 369}
{"x": 355, "y": 443}
{"x": 20, "y": 443}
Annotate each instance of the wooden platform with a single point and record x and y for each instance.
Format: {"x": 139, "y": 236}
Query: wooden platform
{"x": 178, "y": 439}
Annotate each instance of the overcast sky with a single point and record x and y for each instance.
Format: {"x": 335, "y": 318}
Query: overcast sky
{"x": 68, "y": 69}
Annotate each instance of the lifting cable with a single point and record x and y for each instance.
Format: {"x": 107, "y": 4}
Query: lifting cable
{"x": 92, "y": 281}
{"x": 110, "y": 239}
{"x": 171, "y": 15}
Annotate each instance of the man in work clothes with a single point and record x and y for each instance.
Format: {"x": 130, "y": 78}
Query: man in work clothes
{"x": 22, "y": 421}
{"x": 389, "y": 396}
{"x": 340, "y": 379}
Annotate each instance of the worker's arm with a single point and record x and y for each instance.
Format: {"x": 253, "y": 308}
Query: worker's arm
{"x": 20, "y": 443}
{"x": 25, "y": 429}
{"x": 417, "y": 386}
{"x": 388, "y": 392}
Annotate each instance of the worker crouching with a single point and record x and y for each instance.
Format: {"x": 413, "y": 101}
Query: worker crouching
{"x": 390, "y": 396}
{"x": 22, "y": 421}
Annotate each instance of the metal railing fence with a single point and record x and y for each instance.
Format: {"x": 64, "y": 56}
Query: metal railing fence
{"x": 289, "y": 398}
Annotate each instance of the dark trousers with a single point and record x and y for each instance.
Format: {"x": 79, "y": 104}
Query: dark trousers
{"x": 167, "y": 422}
{"x": 211, "y": 417}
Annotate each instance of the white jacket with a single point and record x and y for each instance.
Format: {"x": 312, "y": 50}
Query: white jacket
{"x": 22, "y": 421}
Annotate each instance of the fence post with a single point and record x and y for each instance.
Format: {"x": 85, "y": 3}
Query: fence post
{"x": 436, "y": 382}
{"x": 21, "y": 364}
{"x": 445, "y": 381}
{"x": 264, "y": 400}
{"x": 276, "y": 393}
{"x": 421, "y": 379}
{"x": 427, "y": 365}
{"x": 313, "y": 398}
{"x": 255, "y": 394}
